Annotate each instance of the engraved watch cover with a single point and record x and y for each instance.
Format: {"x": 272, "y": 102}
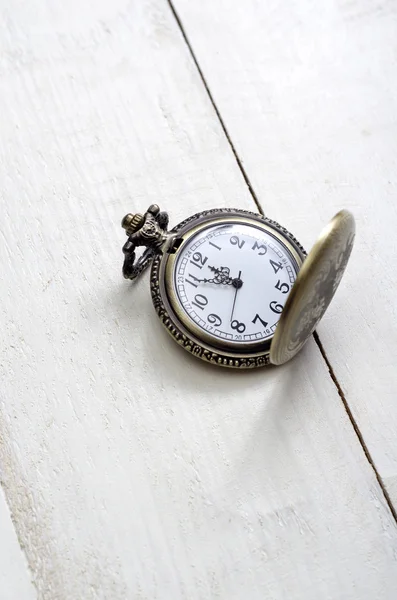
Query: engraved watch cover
{"x": 314, "y": 288}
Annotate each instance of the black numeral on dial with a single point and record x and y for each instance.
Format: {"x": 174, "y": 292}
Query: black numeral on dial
{"x": 235, "y": 241}
{"x": 214, "y": 320}
{"x": 276, "y": 265}
{"x": 198, "y": 260}
{"x": 240, "y": 327}
{"x": 215, "y": 246}
{"x": 275, "y": 307}
{"x": 200, "y": 301}
{"x": 192, "y": 280}
{"x": 261, "y": 247}
{"x": 283, "y": 287}
{"x": 256, "y": 318}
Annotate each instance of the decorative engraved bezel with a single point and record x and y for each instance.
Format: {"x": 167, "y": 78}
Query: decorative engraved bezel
{"x": 169, "y": 310}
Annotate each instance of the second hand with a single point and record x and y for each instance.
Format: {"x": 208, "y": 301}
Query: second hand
{"x": 235, "y": 297}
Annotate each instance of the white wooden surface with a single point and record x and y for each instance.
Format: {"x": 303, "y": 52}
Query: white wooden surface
{"x": 131, "y": 469}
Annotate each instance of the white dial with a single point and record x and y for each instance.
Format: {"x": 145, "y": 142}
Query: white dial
{"x": 232, "y": 281}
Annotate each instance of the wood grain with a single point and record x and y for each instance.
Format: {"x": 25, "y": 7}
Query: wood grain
{"x": 309, "y": 100}
{"x": 131, "y": 469}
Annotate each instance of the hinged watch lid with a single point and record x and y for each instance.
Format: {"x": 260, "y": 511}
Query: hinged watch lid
{"x": 314, "y": 288}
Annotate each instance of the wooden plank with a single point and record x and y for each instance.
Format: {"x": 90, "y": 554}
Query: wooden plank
{"x": 15, "y": 580}
{"x": 133, "y": 470}
{"x": 308, "y": 97}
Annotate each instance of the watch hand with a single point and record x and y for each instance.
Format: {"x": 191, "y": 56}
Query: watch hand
{"x": 219, "y": 281}
{"x": 222, "y": 276}
{"x": 223, "y": 270}
{"x": 237, "y": 286}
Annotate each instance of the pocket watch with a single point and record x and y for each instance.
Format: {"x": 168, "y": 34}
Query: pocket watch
{"x": 233, "y": 287}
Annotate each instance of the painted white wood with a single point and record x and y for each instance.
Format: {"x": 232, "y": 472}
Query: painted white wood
{"x": 309, "y": 99}
{"x": 15, "y": 579}
{"x": 133, "y": 470}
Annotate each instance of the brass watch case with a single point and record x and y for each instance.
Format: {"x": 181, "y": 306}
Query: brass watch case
{"x": 174, "y": 318}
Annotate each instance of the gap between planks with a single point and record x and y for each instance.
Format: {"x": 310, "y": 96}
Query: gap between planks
{"x": 354, "y": 424}
{"x": 260, "y": 209}
{"x": 218, "y": 114}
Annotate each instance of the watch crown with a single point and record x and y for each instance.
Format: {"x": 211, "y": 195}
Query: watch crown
{"x": 131, "y": 223}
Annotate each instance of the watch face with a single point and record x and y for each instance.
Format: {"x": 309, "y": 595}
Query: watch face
{"x": 231, "y": 280}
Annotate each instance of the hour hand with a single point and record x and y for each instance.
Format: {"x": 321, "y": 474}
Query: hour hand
{"x": 222, "y": 275}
